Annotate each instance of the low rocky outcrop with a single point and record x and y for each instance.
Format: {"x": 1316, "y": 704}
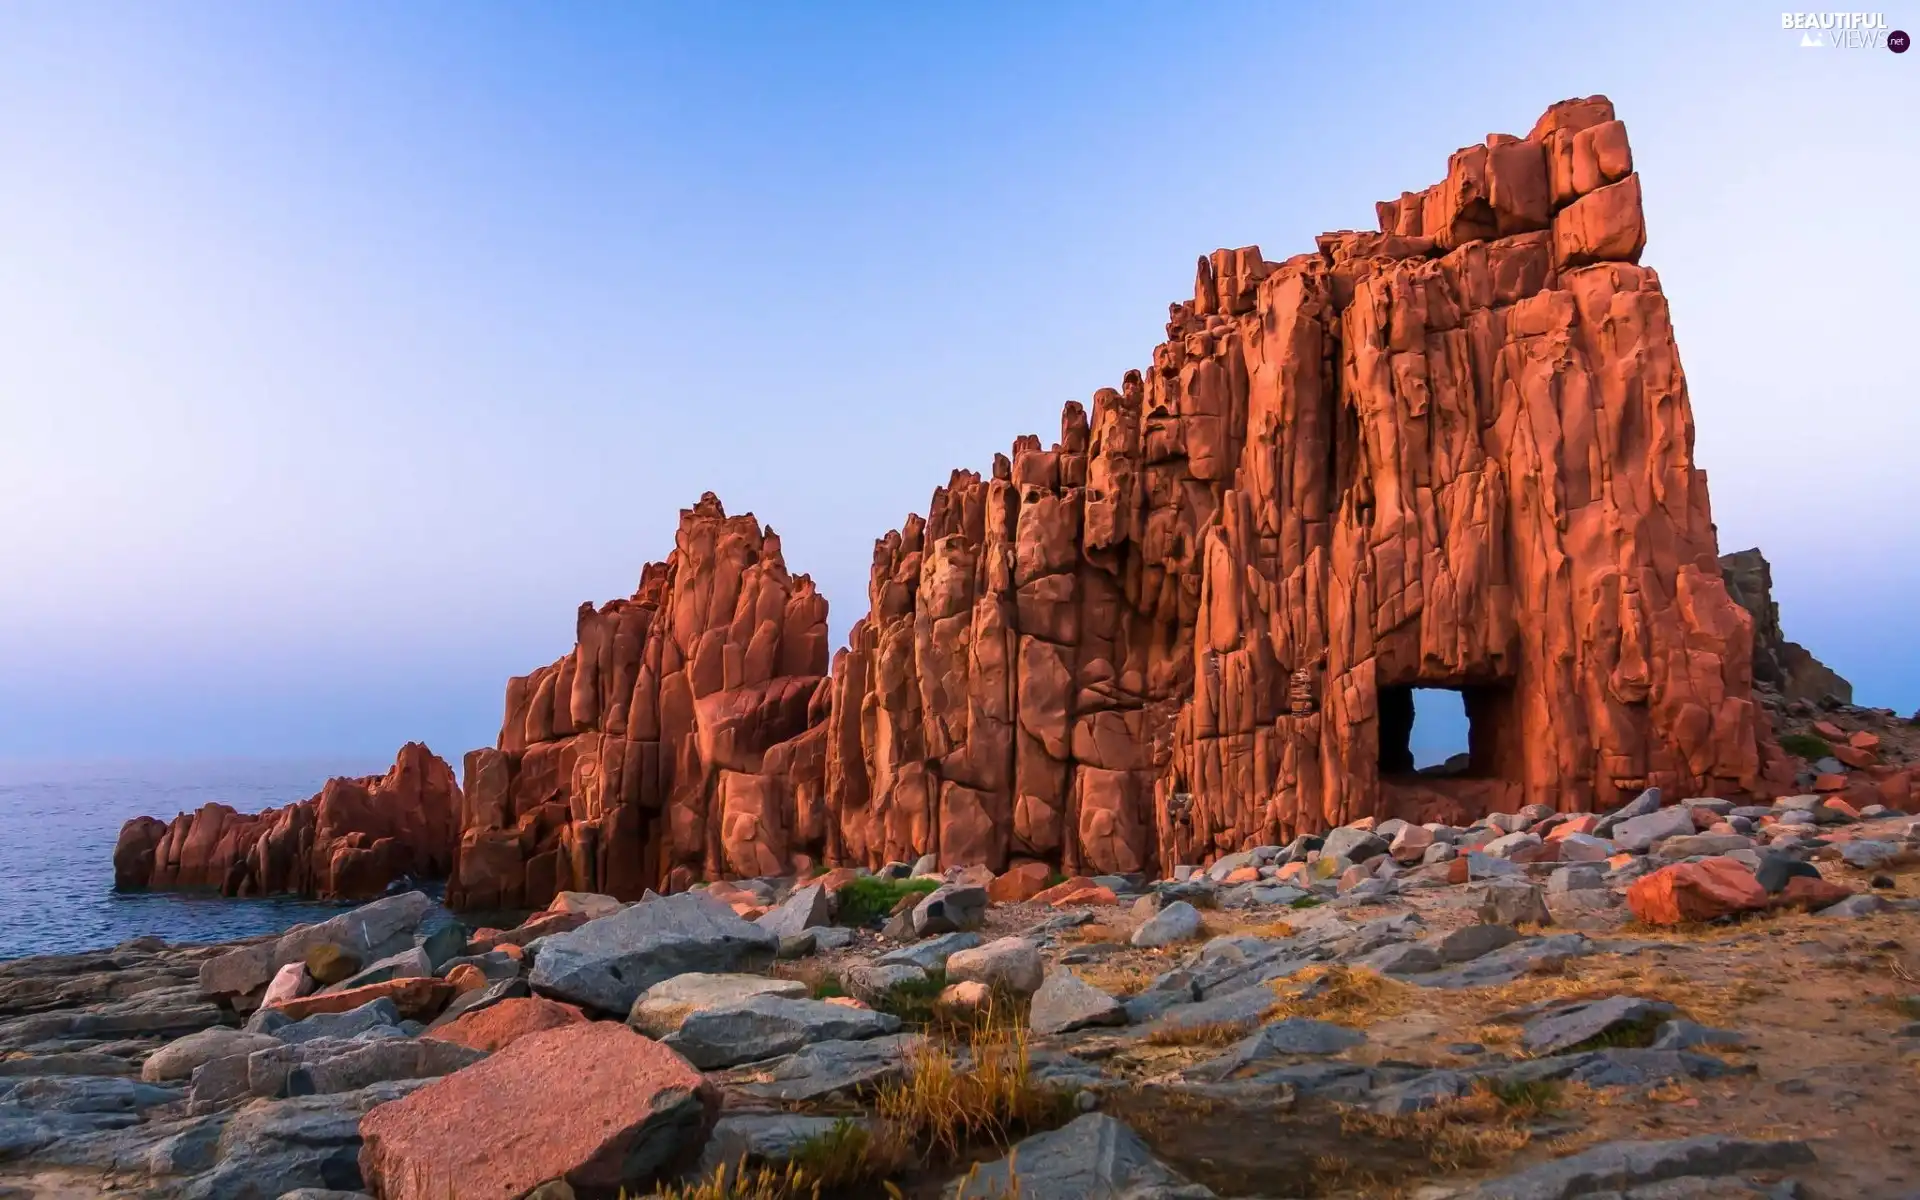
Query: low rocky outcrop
{"x": 346, "y": 843}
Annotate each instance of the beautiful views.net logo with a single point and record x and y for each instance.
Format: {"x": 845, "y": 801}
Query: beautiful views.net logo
{"x": 1846, "y": 31}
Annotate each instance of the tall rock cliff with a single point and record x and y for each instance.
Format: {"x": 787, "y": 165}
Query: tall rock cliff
{"x": 1454, "y": 453}
{"x": 684, "y": 737}
{"x": 346, "y": 843}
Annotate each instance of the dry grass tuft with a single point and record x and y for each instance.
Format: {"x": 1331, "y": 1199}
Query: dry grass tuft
{"x": 1119, "y": 978}
{"x": 939, "y": 1108}
{"x": 1098, "y": 931}
{"x": 738, "y": 1183}
{"x": 1212, "y": 1033}
{"x": 1343, "y": 995}
{"x": 1480, "y": 1129}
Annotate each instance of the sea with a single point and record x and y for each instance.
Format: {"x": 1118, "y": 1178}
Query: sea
{"x": 58, "y": 825}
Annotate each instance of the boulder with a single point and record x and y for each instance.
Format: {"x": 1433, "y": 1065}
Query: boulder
{"x": 594, "y": 1104}
{"x": 769, "y": 1026}
{"x": 1010, "y": 964}
{"x": 1020, "y": 882}
{"x": 1571, "y": 1026}
{"x": 662, "y": 1007}
{"x": 605, "y": 964}
{"x": 1092, "y": 1155}
{"x": 1695, "y": 891}
{"x": 805, "y": 908}
{"x": 177, "y": 1060}
{"x": 419, "y": 998}
{"x": 329, "y": 964}
{"x": 1176, "y": 922}
{"x": 1615, "y": 1167}
{"x": 366, "y": 934}
{"x": 950, "y": 908}
{"x": 1471, "y": 941}
{"x": 290, "y": 982}
{"x": 1065, "y": 1002}
{"x": 325, "y": 1066}
{"x": 500, "y": 1025}
{"x": 1639, "y": 833}
{"x": 1511, "y": 902}
{"x": 831, "y": 1068}
{"x": 932, "y": 954}
{"x": 377, "y": 1014}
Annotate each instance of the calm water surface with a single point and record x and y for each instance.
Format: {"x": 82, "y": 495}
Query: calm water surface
{"x": 58, "y": 823}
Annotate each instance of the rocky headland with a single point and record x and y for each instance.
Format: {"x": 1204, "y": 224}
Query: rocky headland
{"x": 1097, "y": 863}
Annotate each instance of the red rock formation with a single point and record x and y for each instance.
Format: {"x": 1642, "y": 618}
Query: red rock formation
{"x": 1454, "y": 453}
{"x": 347, "y": 843}
{"x": 684, "y": 736}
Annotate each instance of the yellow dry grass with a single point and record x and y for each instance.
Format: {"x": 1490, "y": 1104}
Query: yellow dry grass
{"x": 1213, "y": 1033}
{"x": 1120, "y": 978}
{"x": 937, "y": 1108}
{"x": 1342, "y": 995}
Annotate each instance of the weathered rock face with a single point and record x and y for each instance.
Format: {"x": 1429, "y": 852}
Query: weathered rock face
{"x": 683, "y": 737}
{"x": 348, "y": 843}
{"x": 1456, "y": 453}
{"x": 1787, "y": 667}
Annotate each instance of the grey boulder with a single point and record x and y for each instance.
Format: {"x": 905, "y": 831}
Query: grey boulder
{"x": 370, "y": 932}
{"x": 1065, "y": 1002}
{"x": 806, "y": 908}
{"x": 769, "y": 1026}
{"x": 1177, "y": 922}
{"x": 1615, "y": 1016}
{"x": 1092, "y": 1155}
{"x": 606, "y": 964}
{"x": 1616, "y": 1166}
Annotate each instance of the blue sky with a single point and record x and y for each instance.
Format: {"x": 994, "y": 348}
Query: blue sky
{"x": 345, "y": 349}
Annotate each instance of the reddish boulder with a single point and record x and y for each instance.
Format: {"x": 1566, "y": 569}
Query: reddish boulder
{"x": 346, "y": 843}
{"x": 594, "y": 1104}
{"x": 418, "y": 998}
{"x": 500, "y": 1025}
{"x": 1808, "y": 892}
{"x": 1021, "y": 881}
{"x": 1695, "y": 891}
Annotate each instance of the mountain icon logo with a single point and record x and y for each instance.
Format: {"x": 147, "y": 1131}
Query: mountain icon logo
{"x": 1810, "y": 39}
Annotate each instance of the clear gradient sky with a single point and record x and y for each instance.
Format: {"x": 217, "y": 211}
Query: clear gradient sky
{"x": 346, "y": 348}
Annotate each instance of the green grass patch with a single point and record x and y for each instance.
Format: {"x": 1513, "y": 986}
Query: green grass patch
{"x": 870, "y": 898}
{"x": 1805, "y": 745}
{"x": 915, "y": 1001}
{"x": 1529, "y": 1096}
{"x": 1307, "y": 902}
{"x": 828, "y": 987}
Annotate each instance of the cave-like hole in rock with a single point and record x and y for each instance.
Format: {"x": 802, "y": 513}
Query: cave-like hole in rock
{"x": 1430, "y": 731}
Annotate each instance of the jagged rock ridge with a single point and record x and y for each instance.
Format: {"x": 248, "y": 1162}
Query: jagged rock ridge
{"x": 683, "y": 738}
{"x": 346, "y": 843}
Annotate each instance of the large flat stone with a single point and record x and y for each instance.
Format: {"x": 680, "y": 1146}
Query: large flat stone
{"x": 1092, "y": 1155}
{"x": 769, "y": 1026}
{"x": 606, "y": 964}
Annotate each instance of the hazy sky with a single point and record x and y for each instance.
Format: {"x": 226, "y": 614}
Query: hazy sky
{"x": 346, "y": 348}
